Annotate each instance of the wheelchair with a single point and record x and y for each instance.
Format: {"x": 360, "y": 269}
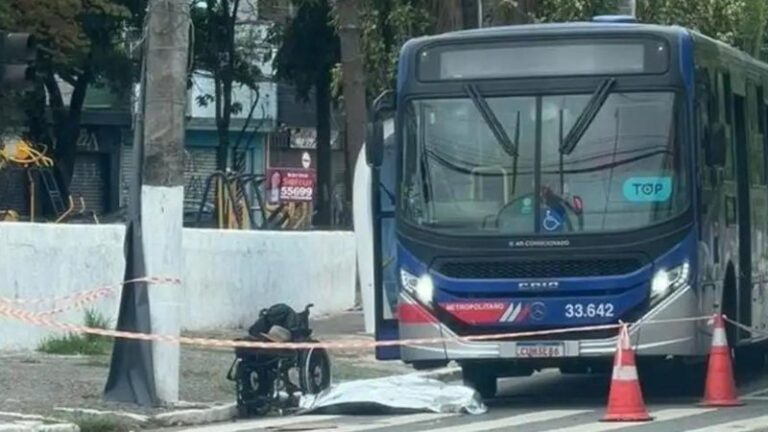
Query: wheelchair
{"x": 268, "y": 380}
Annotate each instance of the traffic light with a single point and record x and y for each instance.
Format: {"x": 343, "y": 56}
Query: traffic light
{"x": 17, "y": 54}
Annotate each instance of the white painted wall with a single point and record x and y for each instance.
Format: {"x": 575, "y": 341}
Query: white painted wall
{"x": 231, "y": 275}
{"x": 228, "y": 275}
{"x": 51, "y": 261}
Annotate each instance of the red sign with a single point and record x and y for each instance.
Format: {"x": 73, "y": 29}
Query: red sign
{"x": 487, "y": 312}
{"x": 476, "y": 312}
{"x": 290, "y": 185}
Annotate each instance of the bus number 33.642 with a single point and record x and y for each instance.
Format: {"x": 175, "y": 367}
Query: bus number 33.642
{"x": 590, "y": 310}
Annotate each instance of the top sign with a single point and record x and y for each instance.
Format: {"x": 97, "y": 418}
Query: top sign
{"x": 556, "y": 57}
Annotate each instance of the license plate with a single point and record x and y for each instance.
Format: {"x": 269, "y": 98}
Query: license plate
{"x": 539, "y": 350}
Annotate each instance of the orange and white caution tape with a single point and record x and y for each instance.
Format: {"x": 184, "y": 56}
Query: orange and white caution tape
{"x": 44, "y": 321}
{"x": 97, "y": 292}
{"x": 78, "y": 304}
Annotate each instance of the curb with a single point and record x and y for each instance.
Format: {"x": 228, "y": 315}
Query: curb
{"x": 33, "y": 426}
{"x": 116, "y": 415}
{"x": 192, "y": 417}
{"x": 18, "y": 422}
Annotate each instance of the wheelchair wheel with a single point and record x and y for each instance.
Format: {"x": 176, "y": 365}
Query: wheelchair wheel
{"x": 255, "y": 389}
{"x": 315, "y": 370}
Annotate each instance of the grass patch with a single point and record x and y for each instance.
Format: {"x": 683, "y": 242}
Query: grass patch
{"x": 97, "y": 362}
{"x": 73, "y": 344}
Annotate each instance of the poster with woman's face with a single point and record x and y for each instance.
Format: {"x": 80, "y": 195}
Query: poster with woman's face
{"x": 275, "y": 181}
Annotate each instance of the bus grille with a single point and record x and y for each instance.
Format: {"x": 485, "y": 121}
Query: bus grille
{"x": 538, "y": 269}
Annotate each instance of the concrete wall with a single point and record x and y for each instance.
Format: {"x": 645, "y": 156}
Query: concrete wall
{"x": 51, "y": 261}
{"x": 231, "y": 275}
{"x": 228, "y": 275}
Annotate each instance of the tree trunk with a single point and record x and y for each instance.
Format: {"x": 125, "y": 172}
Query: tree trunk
{"x": 66, "y": 127}
{"x": 510, "y": 13}
{"x": 469, "y": 11}
{"x": 353, "y": 75}
{"x": 322, "y": 217}
{"x": 449, "y": 15}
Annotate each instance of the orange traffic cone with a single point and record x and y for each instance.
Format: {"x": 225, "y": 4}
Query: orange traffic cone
{"x": 625, "y": 401}
{"x": 720, "y": 390}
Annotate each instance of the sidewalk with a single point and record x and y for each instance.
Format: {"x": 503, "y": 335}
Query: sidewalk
{"x": 35, "y": 383}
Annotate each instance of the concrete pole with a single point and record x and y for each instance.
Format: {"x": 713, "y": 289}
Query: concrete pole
{"x": 162, "y": 188}
{"x": 480, "y": 13}
{"x": 628, "y": 7}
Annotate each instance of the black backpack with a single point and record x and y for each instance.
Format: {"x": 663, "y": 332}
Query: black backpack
{"x": 282, "y": 315}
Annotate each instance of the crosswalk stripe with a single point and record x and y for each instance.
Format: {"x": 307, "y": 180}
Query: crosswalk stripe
{"x": 668, "y": 414}
{"x": 753, "y": 424}
{"x": 249, "y": 425}
{"x": 516, "y": 420}
{"x": 392, "y": 421}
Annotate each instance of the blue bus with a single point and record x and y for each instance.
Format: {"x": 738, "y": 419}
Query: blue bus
{"x": 569, "y": 175}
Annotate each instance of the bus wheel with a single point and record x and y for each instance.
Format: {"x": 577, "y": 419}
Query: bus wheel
{"x": 483, "y": 381}
{"x": 746, "y": 359}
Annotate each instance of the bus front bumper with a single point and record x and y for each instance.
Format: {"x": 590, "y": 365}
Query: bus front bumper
{"x": 678, "y": 335}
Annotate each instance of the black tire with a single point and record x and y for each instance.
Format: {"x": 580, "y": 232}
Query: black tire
{"x": 574, "y": 369}
{"x": 746, "y": 360}
{"x": 255, "y": 386}
{"x": 428, "y": 365}
{"x": 314, "y": 370}
{"x": 484, "y": 382}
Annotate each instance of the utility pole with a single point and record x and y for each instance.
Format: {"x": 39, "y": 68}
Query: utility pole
{"x": 628, "y": 7}
{"x": 143, "y": 373}
{"x": 353, "y": 76}
{"x": 162, "y": 190}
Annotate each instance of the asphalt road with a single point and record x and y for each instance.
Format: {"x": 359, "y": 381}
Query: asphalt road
{"x": 549, "y": 401}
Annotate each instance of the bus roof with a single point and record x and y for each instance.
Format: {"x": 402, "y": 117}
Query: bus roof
{"x": 601, "y": 27}
{"x": 551, "y": 29}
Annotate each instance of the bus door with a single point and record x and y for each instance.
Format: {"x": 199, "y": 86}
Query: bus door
{"x": 753, "y": 311}
{"x": 740, "y": 136}
{"x": 386, "y": 281}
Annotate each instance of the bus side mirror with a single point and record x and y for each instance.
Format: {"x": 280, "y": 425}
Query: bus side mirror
{"x": 374, "y": 143}
{"x": 716, "y": 145}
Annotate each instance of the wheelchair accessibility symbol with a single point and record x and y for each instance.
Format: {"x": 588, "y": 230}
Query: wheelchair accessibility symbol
{"x": 552, "y": 221}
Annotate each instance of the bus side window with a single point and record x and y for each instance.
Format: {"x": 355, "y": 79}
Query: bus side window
{"x": 727, "y": 98}
{"x": 762, "y": 108}
{"x": 706, "y": 107}
{"x": 755, "y": 147}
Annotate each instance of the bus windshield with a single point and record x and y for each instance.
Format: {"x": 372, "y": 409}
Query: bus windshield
{"x": 625, "y": 171}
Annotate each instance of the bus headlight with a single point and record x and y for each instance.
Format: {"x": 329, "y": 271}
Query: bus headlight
{"x": 665, "y": 281}
{"x": 420, "y": 287}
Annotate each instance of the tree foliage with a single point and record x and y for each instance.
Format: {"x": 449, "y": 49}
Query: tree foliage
{"x": 221, "y": 50}
{"x": 84, "y": 45}
{"x": 309, "y": 46}
{"x": 387, "y": 24}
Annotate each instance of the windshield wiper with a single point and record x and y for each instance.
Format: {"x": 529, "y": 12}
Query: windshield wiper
{"x": 587, "y": 116}
{"x": 490, "y": 118}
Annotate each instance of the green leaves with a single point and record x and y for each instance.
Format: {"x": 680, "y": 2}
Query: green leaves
{"x": 77, "y": 34}
{"x": 309, "y": 46}
{"x": 218, "y": 39}
{"x": 387, "y": 24}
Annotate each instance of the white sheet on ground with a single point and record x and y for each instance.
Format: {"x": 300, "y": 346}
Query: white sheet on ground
{"x": 402, "y": 393}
